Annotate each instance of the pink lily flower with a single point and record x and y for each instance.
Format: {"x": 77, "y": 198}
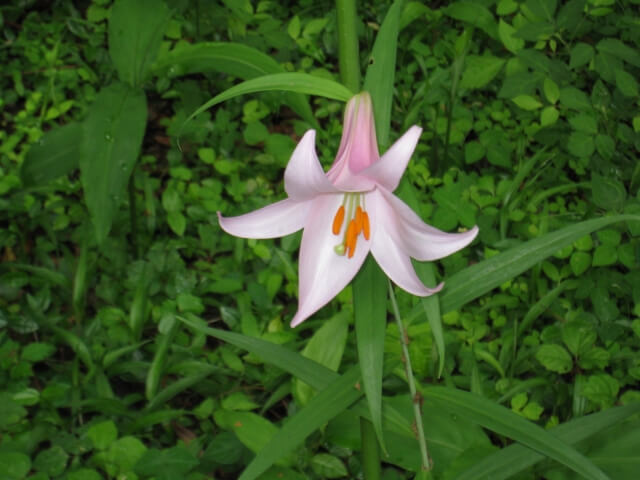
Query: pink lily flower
{"x": 349, "y": 212}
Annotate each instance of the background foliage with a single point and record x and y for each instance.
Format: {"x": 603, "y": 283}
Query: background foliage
{"x": 530, "y": 117}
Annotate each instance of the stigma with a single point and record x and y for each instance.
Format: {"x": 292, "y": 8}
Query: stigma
{"x": 351, "y": 213}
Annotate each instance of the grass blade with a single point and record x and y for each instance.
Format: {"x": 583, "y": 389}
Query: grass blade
{"x": 382, "y": 66}
{"x": 515, "y": 458}
{"x": 316, "y": 375}
{"x": 289, "y": 82}
{"x": 234, "y": 59}
{"x": 328, "y": 403}
{"x": 505, "y": 422}
{"x": 484, "y": 276}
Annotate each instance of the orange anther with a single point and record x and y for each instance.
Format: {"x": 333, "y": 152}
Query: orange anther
{"x": 358, "y": 220}
{"x": 365, "y": 225}
{"x": 351, "y": 238}
{"x": 337, "y": 220}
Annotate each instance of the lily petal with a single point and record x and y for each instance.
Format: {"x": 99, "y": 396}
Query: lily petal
{"x": 304, "y": 177}
{"x": 358, "y": 147}
{"x": 416, "y": 238}
{"x": 322, "y": 272}
{"x": 388, "y": 171}
{"x": 275, "y": 220}
{"x": 397, "y": 264}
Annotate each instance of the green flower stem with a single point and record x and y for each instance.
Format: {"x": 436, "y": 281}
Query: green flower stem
{"x": 415, "y": 398}
{"x": 348, "y": 49}
{"x": 370, "y": 451}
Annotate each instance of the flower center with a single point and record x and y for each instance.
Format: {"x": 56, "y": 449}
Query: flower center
{"x": 357, "y": 223}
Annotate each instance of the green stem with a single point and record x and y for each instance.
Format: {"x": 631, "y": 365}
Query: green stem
{"x": 415, "y": 398}
{"x": 348, "y": 49}
{"x": 370, "y": 452}
{"x": 133, "y": 215}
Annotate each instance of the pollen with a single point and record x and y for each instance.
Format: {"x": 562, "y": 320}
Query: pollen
{"x": 338, "y": 220}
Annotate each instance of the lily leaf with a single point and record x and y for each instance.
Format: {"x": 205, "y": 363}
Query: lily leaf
{"x": 288, "y": 82}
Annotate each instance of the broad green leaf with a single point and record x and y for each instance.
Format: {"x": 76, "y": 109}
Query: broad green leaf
{"x": 255, "y": 432}
{"x": 328, "y": 403}
{"x": 554, "y": 358}
{"x": 480, "y": 70}
{"x": 527, "y": 102}
{"x": 584, "y": 122}
{"x": 52, "y": 461}
{"x": 508, "y": 38}
{"x": 581, "y": 144}
{"x": 328, "y": 466}
{"x": 326, "y": 347}
{"x": 515, "y": 458}
{"x": 484, "y": 276}
{"x": 56, "y": 154}
{"x": 627, "y": 83}
{"x": 235, "y": 59}
{"x": 505, "y": 422}
{"x": 549, "y": 116}
{"x": 14, "y": 465}
{"x": 289, "y": 82}
{"x": 167, "y": 464}
{"x": 576, "y": 99}
{"x": 475, "y": 14}
{"x": 543, "y": 9}
{"x": 370, "y": 309}
{"x": 381, "y": 71}
{"x": 112, "y": 138}
{"x": 608, "y": 192}
{"x": 135, "y": 34}
{"x": 103, "y": 434}
{"x": 581, "y": 54}
{"x": 619, "y": 49}
{"x": 551, "y": 90}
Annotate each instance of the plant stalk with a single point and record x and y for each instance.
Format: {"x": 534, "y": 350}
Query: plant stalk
{"x": 348, "y": 48}
{"x": 415, "y": 398}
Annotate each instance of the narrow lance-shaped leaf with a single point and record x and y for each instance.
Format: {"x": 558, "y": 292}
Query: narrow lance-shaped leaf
{"x": 505, "y": 422}
{"x": 370, "y": 308}
{"x": 381, "y": 72}
{"x": 135, "y": 34}
{"x": 328, "y": 403}
{"x": 235, "y": 59}
{"x": 484, "y": 276}
{"x": 289, "y": 82}
{"x": 515, "y": 458}
{"x": 112, "y": 138}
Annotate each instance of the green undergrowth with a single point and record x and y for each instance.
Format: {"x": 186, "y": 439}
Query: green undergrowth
{"x": 531, "y": 124}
